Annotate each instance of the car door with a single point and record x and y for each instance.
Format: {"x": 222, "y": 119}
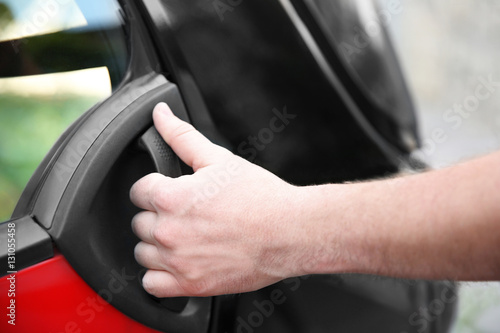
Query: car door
{"x": 284, "y": 84}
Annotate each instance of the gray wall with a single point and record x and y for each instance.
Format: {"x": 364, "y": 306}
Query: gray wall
{"x": 446, "y": 48}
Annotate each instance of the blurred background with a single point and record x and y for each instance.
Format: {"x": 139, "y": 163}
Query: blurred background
{"x": 57, "y": 60}
{"x": 446, "y": 49}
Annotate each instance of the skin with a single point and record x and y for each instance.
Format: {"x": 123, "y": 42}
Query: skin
{"x": 234, "y": 227}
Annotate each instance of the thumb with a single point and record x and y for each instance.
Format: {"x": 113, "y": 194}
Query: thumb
{"x": 189, "y": 144}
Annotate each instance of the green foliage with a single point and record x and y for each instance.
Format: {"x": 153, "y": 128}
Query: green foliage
{"x": 28, "y": 129}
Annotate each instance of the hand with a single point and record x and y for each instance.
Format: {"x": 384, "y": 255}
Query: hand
{"x": 228, "y": 228}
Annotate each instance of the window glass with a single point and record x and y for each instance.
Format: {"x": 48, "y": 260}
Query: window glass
{"x": 57, "y": 59}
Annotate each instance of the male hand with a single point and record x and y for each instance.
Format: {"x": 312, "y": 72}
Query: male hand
{"x": 228, "y": 228}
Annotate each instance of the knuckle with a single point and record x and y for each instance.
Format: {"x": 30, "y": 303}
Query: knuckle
{"x": 171, "y": 197}
{"x": 196, "y": 280}
{"x": 161, "y": 236}
{"x": 181, "y": 131}
{"x": 162, "y": 196}
{"x": 197, "y": 288}
{"x": 176, "y": 264}
{"x": 168, "y": 235}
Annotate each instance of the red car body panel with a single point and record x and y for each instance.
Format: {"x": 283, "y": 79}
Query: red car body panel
{"x": 50, "y": 291}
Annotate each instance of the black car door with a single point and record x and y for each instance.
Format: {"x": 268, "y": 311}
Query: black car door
{"x": 230, "y": 68}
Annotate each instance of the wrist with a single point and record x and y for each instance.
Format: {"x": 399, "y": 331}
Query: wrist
{"x": 328, "y": 215}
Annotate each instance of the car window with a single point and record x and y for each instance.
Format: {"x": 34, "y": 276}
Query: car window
{"x": 57, "y": 59}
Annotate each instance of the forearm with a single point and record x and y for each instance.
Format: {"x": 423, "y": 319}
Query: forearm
{"x": 442, "y": 224}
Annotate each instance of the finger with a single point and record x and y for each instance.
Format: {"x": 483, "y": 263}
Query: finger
{"x": 189, "y": 144}
{"x": 161, "y": 284}
{"x": 142, "y": 226}
{"x": 142, "y": 192}
{"x": 147, "y": 255}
